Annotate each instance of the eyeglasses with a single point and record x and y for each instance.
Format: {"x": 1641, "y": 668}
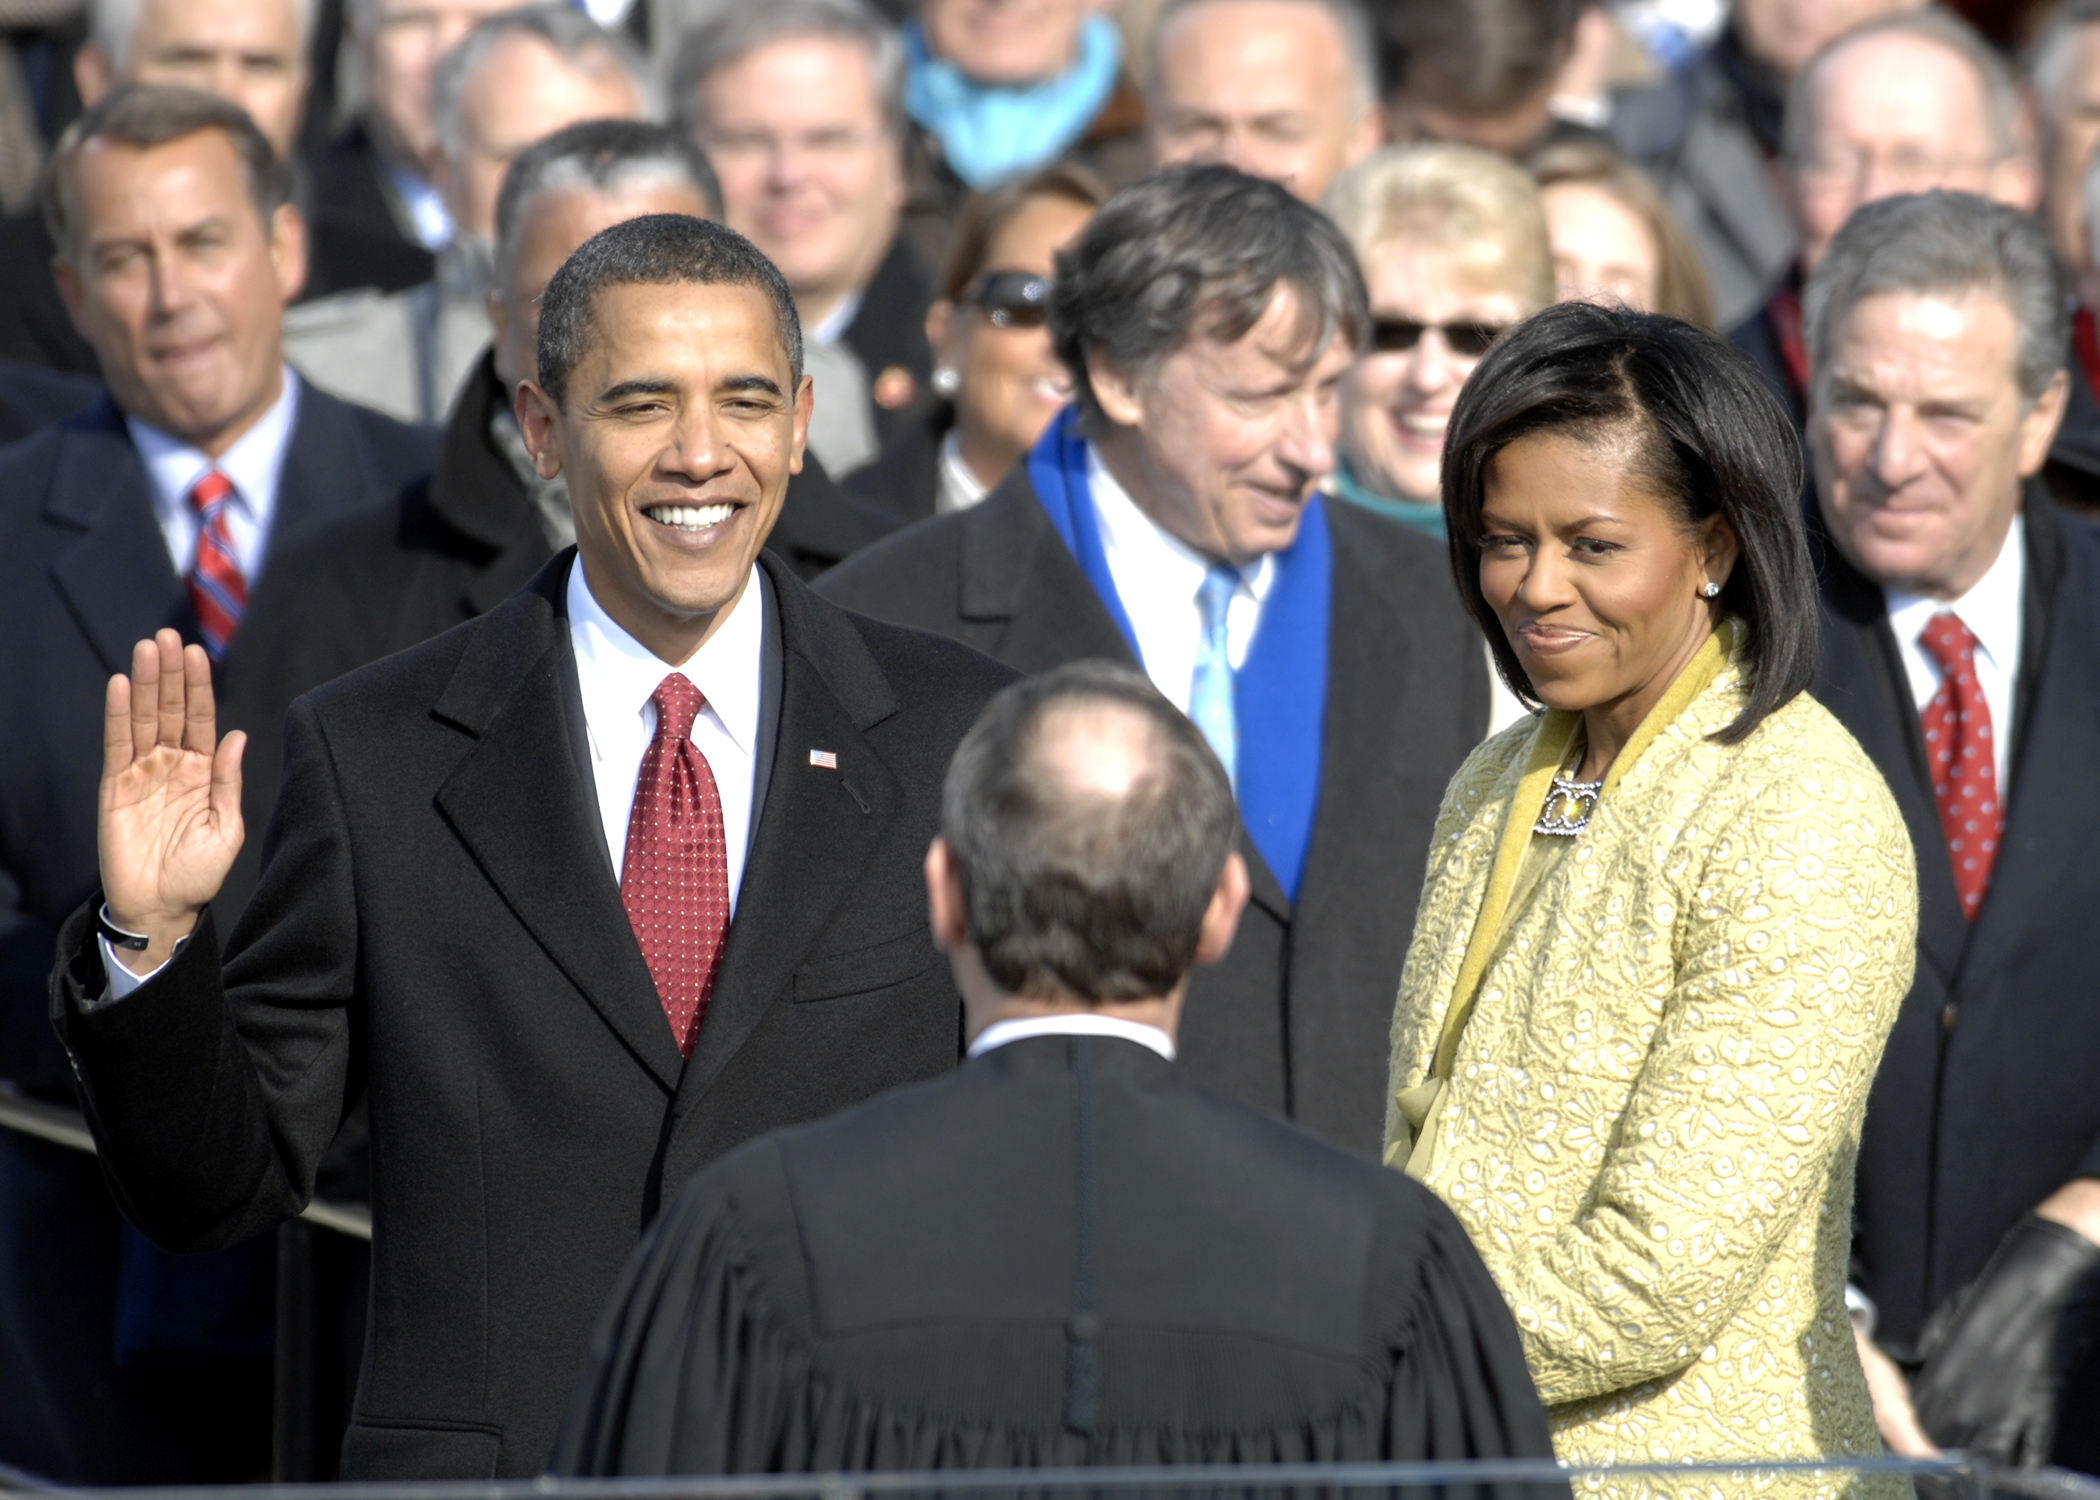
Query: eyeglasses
{"x": 1013, "y": 299}
{"x": 1467, "y": 340}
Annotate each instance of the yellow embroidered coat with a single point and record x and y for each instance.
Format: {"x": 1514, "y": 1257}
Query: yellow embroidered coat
{"x": 1652, "y": 1114}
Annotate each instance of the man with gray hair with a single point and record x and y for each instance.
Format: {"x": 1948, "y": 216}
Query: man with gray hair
{"x": 168, "y": 504}
{"x": 1961, "y": 646}
{"x": 515, "y": 78}
{"x": 1171, "y": 519}
{"x": 1067, "y": 1252}
{"x": 1282, "y": 89}
{"x": 250, "y": 52}
{"x": 800, "y": 106}
{"x": 1902, "y": 104}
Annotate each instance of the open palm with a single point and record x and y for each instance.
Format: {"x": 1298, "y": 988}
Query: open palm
{"x": 170, "y": 821}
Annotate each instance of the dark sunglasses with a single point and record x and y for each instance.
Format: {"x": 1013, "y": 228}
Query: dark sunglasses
{"x": 1467, "y": 340}
{"x": 1013, "y": 299}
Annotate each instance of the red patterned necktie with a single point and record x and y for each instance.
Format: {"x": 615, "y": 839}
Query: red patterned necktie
{"x": 1963, "y": 758}
{"x": 218, "y": 590}
{"x": 675, "y": 879}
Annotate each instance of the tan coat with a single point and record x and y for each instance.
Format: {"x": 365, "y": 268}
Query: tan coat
{"x": 1653, "y": 1112}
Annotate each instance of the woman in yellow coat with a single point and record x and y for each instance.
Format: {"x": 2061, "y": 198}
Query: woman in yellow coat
{"x": 1667, "y": 921}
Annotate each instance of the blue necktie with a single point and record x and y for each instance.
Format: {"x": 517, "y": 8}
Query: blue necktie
{"x": 1210, "y": 685}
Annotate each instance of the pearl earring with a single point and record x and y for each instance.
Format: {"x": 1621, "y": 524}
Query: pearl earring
{"x": 946, "y": 381}
{"x": 1711, "y": 591}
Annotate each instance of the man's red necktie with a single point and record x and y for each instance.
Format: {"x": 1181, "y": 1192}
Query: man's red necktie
{"x": 675, "y": 878}
{"x": 1963, "y": 758}
{"x": 218, "y": 590}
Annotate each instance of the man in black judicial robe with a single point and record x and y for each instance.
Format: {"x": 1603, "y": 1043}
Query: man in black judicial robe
{"x": 442, "y": 926}
{"x": 1067, "y": 1252}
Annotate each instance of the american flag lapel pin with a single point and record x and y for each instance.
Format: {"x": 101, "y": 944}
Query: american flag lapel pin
{"x": 824, "y": 760}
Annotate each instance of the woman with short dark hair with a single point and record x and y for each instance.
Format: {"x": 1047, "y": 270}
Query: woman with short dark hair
{"x": 1668, "y": 920}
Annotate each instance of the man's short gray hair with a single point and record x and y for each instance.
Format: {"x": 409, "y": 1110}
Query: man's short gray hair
{"x": 2001, "y": 89}
{"x": 574, "y": 36}
{"x": 729, "y": 31}
{"x": 1945, "y": 244}
{"x": 1075, "y": 893}
{"x": 112, "y": 24}
{"x": 1359, "y": 41}
{"x": 1198, "y": 249}
{"x": 598, "y": 156}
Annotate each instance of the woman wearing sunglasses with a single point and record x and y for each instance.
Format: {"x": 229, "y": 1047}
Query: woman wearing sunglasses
{"x": 996, "y": 379}
{"x": 1453, "y": 246}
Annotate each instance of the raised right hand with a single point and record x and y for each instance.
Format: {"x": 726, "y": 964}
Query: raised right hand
{"x": 170, "y": 821}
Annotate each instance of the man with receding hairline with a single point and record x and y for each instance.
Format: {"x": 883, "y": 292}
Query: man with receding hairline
{"x": 578, "y": 895}
{"x": 1066, "y": 1253}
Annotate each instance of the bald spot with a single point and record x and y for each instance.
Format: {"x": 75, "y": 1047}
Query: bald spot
{"x": 1096, "y": 751}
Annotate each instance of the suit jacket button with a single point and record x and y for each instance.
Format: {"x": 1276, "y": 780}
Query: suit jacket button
{"x": 1947, "y": 1014}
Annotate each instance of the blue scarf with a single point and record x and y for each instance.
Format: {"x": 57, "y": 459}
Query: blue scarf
{"x": 1424, "y": 516}
{"x": 1281, "y": 707}
{"x": 992, "y": 132}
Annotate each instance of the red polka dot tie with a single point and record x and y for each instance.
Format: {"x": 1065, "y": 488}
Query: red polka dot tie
{"x": 1963, "y": 758}
{"x": 218, "y": 590}
{"x": 675, "y": 878}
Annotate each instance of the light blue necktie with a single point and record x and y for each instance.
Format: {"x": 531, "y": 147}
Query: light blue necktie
{"x": 1210, "y": 685}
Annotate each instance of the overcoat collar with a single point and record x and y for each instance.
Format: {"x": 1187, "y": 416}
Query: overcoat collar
{"x": 521, "y": 801}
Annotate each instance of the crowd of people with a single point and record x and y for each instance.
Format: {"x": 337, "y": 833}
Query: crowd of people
{"x": 1401, "y": 696}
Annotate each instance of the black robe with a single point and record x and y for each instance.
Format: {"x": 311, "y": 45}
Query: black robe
{"x": 1064, "y": 1253}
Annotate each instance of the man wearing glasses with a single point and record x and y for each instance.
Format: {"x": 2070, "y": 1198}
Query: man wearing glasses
{"x": 799, "y": 105}
{"x": 1169, "y": 519}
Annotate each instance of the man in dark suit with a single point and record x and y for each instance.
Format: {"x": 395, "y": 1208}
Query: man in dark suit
{"x": 162, "y": 505}
{"x": 1067, "y": 1253}
{"x": 1962, "y": 647}
{"x": 461, "y": 541}
{"x": 577, "y": 896}
{"x": 1170, "y": 519}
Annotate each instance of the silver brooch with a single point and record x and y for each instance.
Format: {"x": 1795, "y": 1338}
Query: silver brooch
{"x": 1568, "y": 807}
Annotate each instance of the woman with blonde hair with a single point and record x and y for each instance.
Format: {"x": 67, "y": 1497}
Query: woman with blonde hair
{"x": 1614, "y": 238}
{"x": 1667, "y": 922}
{"x": 1452, "y": 241}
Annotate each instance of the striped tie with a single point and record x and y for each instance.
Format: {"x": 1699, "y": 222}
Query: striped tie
{"x": 217, "y": 589}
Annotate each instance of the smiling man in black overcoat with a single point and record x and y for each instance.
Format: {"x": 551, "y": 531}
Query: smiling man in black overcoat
{"x": 577, "y": 896}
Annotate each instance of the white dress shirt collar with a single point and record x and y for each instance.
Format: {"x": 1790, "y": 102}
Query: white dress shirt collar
{"x": 1993, "y": 610}
{"x": 959, "y": 488}
{"x": 1158, "y": 577}
{"x": 255, "y": 465}
{"x": 837, "y": 321}
{"x": 1076, "y": 1023}
{"x": 617, "y": 675}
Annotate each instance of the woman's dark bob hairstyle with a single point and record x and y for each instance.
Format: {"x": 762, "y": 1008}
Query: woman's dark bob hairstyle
{"x": 1707, "y": 434}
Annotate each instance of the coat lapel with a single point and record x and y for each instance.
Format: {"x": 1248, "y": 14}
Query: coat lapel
{"x": 2054, "y": 802}
{"x": 117, "y": 578}
{"x": 818, "y": 828}
{"x": 326, "y": 472}
{"x": 517, "y": 803}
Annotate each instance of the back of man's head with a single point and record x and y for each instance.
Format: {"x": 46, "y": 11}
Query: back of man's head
{"x": 1478, "y": 71}
{"x": 1089, "y": 823}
